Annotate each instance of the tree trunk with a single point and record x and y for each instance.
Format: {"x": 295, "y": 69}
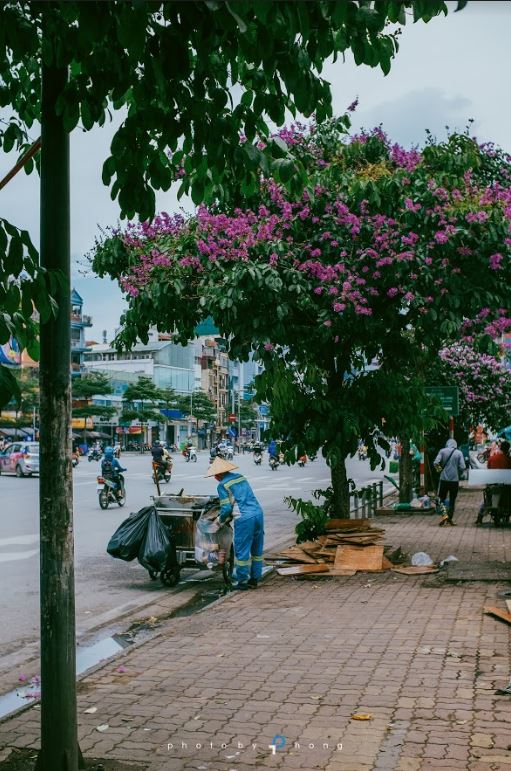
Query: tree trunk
{"x": 59, "y": 744}
{"x": 405, "y": 473}
{"x": 341, "y": 490}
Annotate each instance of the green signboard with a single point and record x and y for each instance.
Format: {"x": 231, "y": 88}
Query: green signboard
{"x": 448, "y": 396}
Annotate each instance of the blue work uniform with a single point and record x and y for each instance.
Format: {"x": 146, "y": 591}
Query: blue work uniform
{"x": 237, "y": 500}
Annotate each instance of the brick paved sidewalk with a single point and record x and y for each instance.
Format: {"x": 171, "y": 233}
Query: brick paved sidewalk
{"x": 298, "y": 657}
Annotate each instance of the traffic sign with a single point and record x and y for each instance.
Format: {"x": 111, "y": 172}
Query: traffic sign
{"x": 448, "y": 396}
{"x": 233, "y": 416}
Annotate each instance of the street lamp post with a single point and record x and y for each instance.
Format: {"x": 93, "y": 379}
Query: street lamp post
{"x": 190, "y": 432}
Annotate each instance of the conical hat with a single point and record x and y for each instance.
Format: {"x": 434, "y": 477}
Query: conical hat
{"x": 220, "y": 466}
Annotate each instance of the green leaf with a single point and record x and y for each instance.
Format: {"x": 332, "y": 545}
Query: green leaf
{"x": 241, "y": 24}
{"x": 71, "y": 115}
{"x": 14, "y": 261}
{"x": 33, "y": 349}
{"x": 9, "y": 388}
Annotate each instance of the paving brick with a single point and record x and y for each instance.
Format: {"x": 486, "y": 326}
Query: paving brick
{"x": 327, "y": 656}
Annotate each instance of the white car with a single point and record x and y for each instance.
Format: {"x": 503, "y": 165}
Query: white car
{"x": 20, "y": 458}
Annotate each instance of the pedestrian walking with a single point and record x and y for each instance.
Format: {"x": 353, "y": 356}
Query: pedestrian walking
{"x": 450, "y": 463}
{"x": 238, "y": 502}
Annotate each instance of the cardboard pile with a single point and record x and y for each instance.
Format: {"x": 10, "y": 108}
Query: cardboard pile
{"x": 349, "y": 545}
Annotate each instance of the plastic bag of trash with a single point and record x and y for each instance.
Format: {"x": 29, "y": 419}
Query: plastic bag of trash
{"x": 154, "y": 549}
{"x": 421, "y": 559}
{"x": 450, "y": 558}
{"x": 212, "y": 539}
{"x": 125, "y": 542}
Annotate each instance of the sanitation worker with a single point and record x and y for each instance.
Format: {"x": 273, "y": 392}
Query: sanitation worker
{"x": 238, "y": 502}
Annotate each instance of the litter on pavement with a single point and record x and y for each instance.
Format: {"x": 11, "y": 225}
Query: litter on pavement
{"x": 348, "y": 546}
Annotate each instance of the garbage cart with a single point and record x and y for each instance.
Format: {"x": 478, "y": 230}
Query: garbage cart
{"x": 197, "y": 540}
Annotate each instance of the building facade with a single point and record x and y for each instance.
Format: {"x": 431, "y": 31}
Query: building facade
{"x": 79, "y": 323}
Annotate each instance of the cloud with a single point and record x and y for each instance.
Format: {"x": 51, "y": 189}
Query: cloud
{"x": 406, "y": 119}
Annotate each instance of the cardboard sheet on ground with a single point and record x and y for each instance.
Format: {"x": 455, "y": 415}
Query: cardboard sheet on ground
{"x": 348, "y": 524}
{"x": 298, "y": 570}
{"x": 297, "y": 554}
{"x": 365, "y": 558}
{"x": 502, "y": 615}
{"x": 416, "y": 570}
{"x": 341, "y": 572}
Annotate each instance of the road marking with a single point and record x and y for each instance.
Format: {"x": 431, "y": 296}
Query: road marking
{"x": 272, "y": 489}
{"x": 19, "y": 540}
{"x": 20, "y": 555}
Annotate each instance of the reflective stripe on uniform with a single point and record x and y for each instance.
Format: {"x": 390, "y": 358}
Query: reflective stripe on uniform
{"x": 225, "y": 501}
{"x": 257, "y": 559}
{"x": 232, "y": 482}
{"x": 242, "y": 562}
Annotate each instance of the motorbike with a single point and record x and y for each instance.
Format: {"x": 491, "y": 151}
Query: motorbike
{"x": 110, "y": 491}
{"x": 74, "y": 459}
{"x": 190, "y": 454}
{"x": 229, "y": 452}
{"x": 94, "y": 455}
{"x": 161, "y": 472}
{"x": 274, "y": 463}
{"x": 302, "y": 460}
{"x": 258, "y": 458}
{"x": 216, "y": 452}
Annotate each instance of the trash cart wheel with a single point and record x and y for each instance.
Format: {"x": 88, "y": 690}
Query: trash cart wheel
{"x": 153, "y": 575}
{"x": 170, "y": 577}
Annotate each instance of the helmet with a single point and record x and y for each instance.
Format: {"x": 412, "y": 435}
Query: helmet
{"x": 109, "y": 452}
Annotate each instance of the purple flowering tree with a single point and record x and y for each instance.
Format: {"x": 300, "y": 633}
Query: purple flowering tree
{"x": 344, "y": 292}
{"x": 484, "y": 384}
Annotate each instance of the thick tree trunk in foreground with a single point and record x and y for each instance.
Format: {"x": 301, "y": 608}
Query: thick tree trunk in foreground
{"x": 59, "y": 746}
{"x": 341, "y": 489}
{"x": 405, "y": 473}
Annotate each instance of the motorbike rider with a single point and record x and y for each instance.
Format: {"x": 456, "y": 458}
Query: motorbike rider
{"x": 161, "y": 456}
{"x": 167, "y": 460}
{"x": 110, "y": 467}
{"x": 273, "y": 451}
{"x": 258, "y": 450}
{"x": 188, "y": 448}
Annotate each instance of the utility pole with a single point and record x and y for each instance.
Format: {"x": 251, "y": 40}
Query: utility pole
{"x": 59, "y": 742}
{"x": 239, "y": 418}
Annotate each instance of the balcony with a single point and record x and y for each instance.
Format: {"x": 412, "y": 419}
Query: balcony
{"x": 81, "y": 319}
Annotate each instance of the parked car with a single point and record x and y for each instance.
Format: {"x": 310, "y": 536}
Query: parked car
{"x": 20, "y": 458}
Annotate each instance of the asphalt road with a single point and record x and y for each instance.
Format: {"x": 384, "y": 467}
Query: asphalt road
{"x": 105, "y": 586}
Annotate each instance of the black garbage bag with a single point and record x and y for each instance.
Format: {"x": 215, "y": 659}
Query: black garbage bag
{"x": 155, "y": 547}
{"x": 125, "y": 542}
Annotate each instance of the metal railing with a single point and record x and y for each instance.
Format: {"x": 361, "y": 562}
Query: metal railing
{"x": 365, "y": 501}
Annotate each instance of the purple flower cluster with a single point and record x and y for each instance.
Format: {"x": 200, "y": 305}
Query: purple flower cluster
{"x": 353, "y": 260}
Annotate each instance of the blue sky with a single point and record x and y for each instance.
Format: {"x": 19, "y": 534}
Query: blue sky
{"x": 452, "y": 69}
